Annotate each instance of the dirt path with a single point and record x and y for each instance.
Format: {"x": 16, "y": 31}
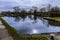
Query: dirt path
{"x": 4, "y": 33}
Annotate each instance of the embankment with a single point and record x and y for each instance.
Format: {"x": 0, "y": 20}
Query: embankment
{"x": 52, "y": 21}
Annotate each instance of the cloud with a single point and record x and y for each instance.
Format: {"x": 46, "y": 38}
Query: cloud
{"x": 56, "y": 2}
{"x": 8, "y": 4}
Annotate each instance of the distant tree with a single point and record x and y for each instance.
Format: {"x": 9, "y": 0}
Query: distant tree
{"x": 55, "y": 9}
{"x": 42, "y": 10}
{"x": 34, "y": 10}
{"x": 30, "y": 11}
{"x": 23, "y": 12}
{"x": 16, "y": 9}
{"x": 49, "y": 9}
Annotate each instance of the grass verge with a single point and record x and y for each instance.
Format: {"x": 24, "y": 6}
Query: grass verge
{"x": 11, "y": 30}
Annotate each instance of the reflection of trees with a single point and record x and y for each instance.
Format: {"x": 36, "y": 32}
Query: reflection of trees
{"x": 17, "y": 19}
{"x": 24, "y": 16}
{"x": 35, "y": 17}
{"x": 30, "y": 16}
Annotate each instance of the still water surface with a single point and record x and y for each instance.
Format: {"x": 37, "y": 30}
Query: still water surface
{"x": 31, "y": 26}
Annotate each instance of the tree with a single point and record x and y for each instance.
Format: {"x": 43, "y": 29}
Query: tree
{"x": 42, "y": 10}
{"x": 34, "y": 8}
{"x": 23, "y": 11}
{"x": 49, "y": 9}
{"x": 30, "y": 11}
{"x": 16, "y": 9}
{"x": 55, "y": 9}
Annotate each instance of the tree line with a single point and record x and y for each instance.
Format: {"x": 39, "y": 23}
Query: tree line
{"x": 45, "y": 11}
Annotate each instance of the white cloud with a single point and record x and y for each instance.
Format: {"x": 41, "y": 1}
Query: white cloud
{"x": 26, "y": 3}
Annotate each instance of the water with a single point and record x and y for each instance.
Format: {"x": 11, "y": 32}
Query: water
{"x": 28, "y": 25}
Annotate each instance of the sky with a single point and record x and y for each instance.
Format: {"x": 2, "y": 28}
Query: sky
{"x": 9, "y": 4}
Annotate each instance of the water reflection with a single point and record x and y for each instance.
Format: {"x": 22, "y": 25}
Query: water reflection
{"x": 31, "y": 25}
{"x": 31, "y": 17}
{"x": 17, "y": 19}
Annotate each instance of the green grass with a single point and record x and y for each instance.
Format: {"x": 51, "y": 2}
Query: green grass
{"x": 53, "y": 18}
{"x": 12, "y": 32}
{"x": 56, "y": 18}
{"x": 35, "y": 38}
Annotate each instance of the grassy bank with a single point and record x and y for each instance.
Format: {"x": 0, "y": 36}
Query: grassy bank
{"x": 16, "y": 36}
{"x": 11, "y": 30}
{"x": 56, "y": 18}
{"x": 35, "y": 38}
{"x": 53, "y": 18}
{"x": 55, "y": 21}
